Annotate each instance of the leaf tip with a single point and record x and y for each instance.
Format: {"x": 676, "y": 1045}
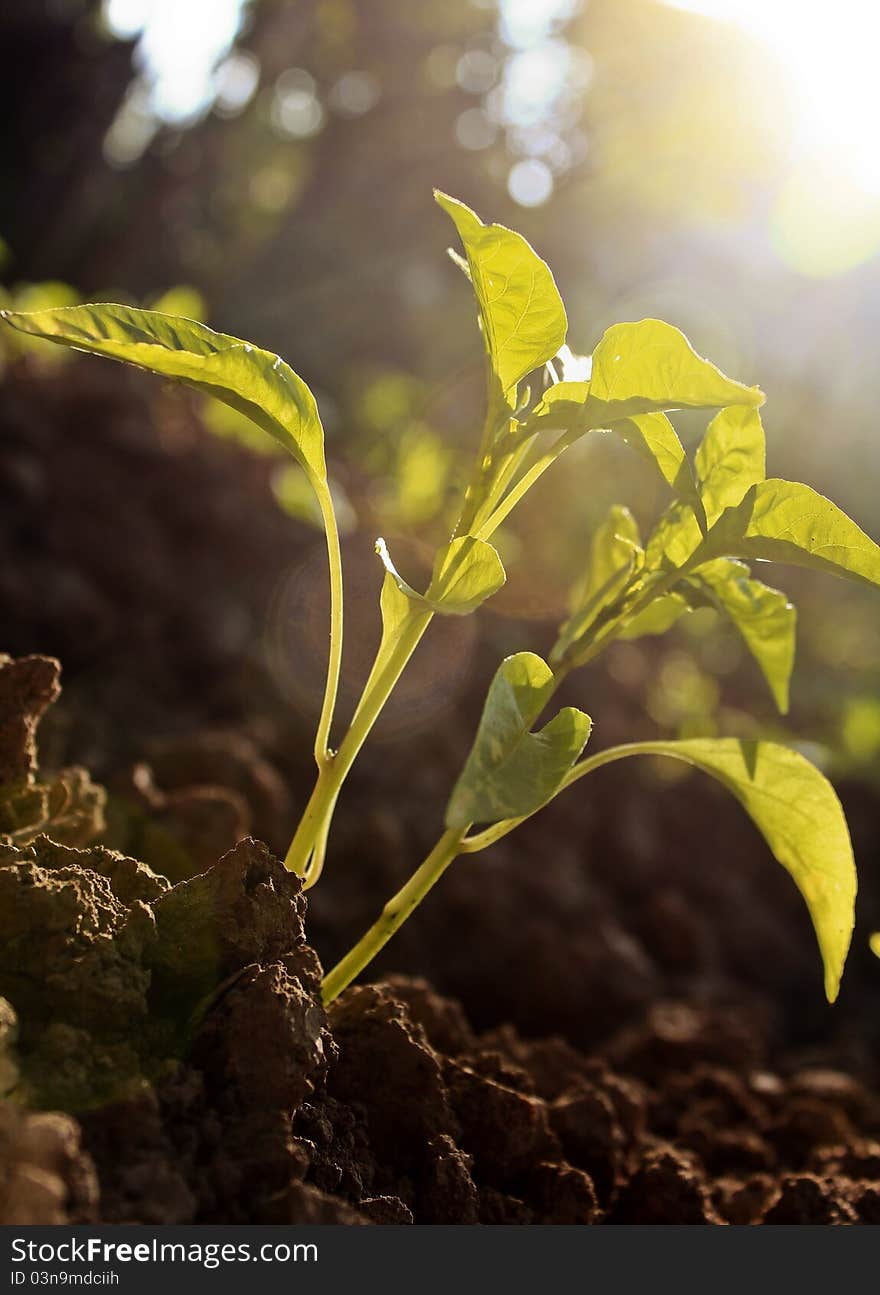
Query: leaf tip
{"x": 446, "y": 201}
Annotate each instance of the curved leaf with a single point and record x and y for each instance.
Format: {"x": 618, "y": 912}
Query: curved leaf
{"x": 560, "y": 407}
{"x": 254, "y": 382}
{"x": 675, "y": 539}
{"x": 658, "y": 617}
{"x": 521, "y": 311}
{"x": 654, "y": 363}
{"x": 511, "y": 771}
{"x": 466, "y": 572}
{"x": 655, "y": 439}
{"x": 641, "y": 368}
{"x": 784, "y": 521}
{"x": 764, "y": 617}
{"x": 730, "y": 458}
{"x": 797, "y": 811}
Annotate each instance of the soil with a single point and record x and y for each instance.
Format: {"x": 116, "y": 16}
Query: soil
{"x": 620, "y": 1019}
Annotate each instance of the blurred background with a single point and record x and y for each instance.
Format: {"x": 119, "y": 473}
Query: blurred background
{"x": 267, "y": 165}
{"x": 712, "y": 162}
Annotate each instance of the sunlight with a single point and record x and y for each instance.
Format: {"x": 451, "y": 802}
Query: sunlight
{"x": 179, "y": 48}
{"x": 827, "y": 216}
{"x": 828, "y": 56}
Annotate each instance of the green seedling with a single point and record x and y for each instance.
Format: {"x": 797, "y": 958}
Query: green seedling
{"x": 722, "y": 514}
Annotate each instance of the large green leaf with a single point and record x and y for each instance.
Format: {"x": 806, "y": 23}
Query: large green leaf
{"x": 615, "y": 556}
{"x": 653, "y": 362}
{"x": 254, "y": 382}
{"x": 730, "y": 458}
{"x": 521, "y": 311}
{"x": 784, "y": 521}
{"x": 797, "y": 811}
{"x": 764, "y": 617}
{"x": 637, "y": 369}
{"x": 466, "y": 572}
{"x": 511, "y": 771}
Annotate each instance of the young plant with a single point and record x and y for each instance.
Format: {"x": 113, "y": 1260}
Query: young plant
{"x": 722, "y": 514}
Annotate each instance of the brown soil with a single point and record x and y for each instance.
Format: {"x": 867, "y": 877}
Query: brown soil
{"x": 625, "y": 1021}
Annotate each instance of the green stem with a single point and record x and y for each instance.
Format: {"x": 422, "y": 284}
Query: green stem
{"x": 319, "y": 852}
{"x": 393, "y": 915}
{"x": 491, "y": 426}
{"x": 315, "y": 822}
{"x": 524, "y": 485}
{"x": 334, "y": 661}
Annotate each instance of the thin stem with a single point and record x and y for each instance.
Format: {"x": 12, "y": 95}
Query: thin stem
{"x": 334, "y": 660}
{"x": 512, "y": 462}
{"x": 317, "y": 811}
{"x": 491, "y": 427}
{"x": 315, "y": 822}
{"x": 380, "y": 686}
{"x": 522, "y": 487}
{"x": 393, "y": 915}
{"x": 319, "y": 853}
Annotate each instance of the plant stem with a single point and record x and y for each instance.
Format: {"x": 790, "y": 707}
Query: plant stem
{"x": 319, "y": 853}
{"x": 311, "y": 834}
{"x": 393, "y": 915}
{"x": 522, "y": 487}
{"x": 333, "y": 770}
{"x": 334, "y": 661}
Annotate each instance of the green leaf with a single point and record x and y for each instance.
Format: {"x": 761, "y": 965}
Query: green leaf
{"x": 615, "y": 556}
{"x": 654, "y": 438}
{"x": 784, "y": 521}
{"x": 764, "y": 617}
{"x": 637, "y": 369}
{"x": 561, "y": 406}
{"x": 797, "y": 811}
{"x": 254, "y": 382}
{"x": 654, "y": 363}
{"x": 466, "y": 572}
{"x": 521, "y": 312}
{"x": 511, "y": 771}
{"x": 658, "y": 617}
{"x": 730, "y": 458}
{"x": 394, "y": 604}
{"x": 675, "y": 538}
